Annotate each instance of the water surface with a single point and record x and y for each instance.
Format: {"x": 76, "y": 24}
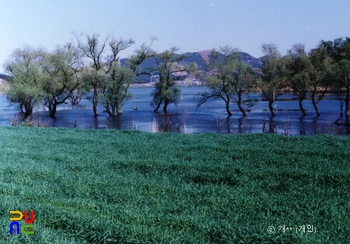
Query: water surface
{"x": 186, "y": 118}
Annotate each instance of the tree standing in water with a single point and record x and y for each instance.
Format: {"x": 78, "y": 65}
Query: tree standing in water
{"x": 169, "y": 71}
{"x": 273, "y": 74}
{"x": 227, "y": 78}
{"x": 319, "y": 80}
{"x": 61, "y": 68}
{"x": 27, "y": 82}
{"x": 97, "y": 74}
{"x": 299, "y": 71}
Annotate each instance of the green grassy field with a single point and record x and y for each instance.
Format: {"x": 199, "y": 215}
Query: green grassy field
{"x": 107, "y": 186}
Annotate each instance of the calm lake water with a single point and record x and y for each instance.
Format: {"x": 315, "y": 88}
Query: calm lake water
{"x": 185, "y": 118}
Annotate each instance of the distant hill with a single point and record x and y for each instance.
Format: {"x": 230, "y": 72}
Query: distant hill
{"x": 200, "y": 58}
{"x": 5, "y": 77}
{"x": 251, "y": 61}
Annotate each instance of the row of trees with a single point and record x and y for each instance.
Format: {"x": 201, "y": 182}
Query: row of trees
{"x": 325, "y": 69}
{"x": 93, "y": 65}
{"x": 52, "y": 78}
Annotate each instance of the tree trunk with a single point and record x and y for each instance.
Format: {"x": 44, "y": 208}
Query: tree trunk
{"x": 228, "y": 125}
{"x": 75, "y": 99}
{"x": 160, "y": 102}
{"x": 29, "y": 110}
{"x": 347, "y": 107}
{"x": 52, "y": 109}
{"x": 240, "y": 126}
{"x": 271, "y": 125}
{"x": 228, "y": 108}
{"x": 239, "y": 102}
{"x": 21, "y": 108}
{"x": 94, "y": 108}
{"x": 165, "y": 106}
{"x": 227, "y": 101}
{"x": 341, "y": 107}
{"x": 119, "y": 109}
{"x": 113, "y": 109}
{"x": 272, "y": 110}
{"x": 301, "y": 106}
{"x": 315, "y": 104}
{"x": 108, "y": 111}
{"x": 95, "y": 102}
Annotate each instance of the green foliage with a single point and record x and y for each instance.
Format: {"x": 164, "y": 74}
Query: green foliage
{"x": 168, "y": 70}
{"x": 337, "y": 65}
{"x": 341, "y": 71}
{"x": 167, "y": 92}
{"x": 298, "y": 71}
{"x": 228, "y": 78}
{"x": 62, "y": 68}
{"x": 40, "y": 76}
{"x": 272, "y": 71}
{"x": 27, "y": 84}
{"x": 116, "y": 90}
{"x": 299, "y": 66}
{"x": 134, "y": 187}
{"x": 273, "y": 77}
{"x": 319, "y": 79}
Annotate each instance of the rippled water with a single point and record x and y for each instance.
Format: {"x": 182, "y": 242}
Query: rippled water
{"x": 185, "y": 118}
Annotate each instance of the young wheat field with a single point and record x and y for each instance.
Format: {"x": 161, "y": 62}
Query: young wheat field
{"x": 109, "y": 186}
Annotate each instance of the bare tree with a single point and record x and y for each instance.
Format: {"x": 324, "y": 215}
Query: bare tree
{"x": 97, "y": 74}
{"x": 119, "y": 79}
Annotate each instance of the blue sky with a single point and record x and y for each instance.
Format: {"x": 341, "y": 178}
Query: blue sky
{"x": 192, "y": 25}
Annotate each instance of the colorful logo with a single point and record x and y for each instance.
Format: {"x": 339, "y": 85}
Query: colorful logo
{"x": 27, "y": 228}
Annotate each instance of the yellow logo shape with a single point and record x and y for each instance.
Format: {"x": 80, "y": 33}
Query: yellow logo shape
{"x": 16, "y": 218}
